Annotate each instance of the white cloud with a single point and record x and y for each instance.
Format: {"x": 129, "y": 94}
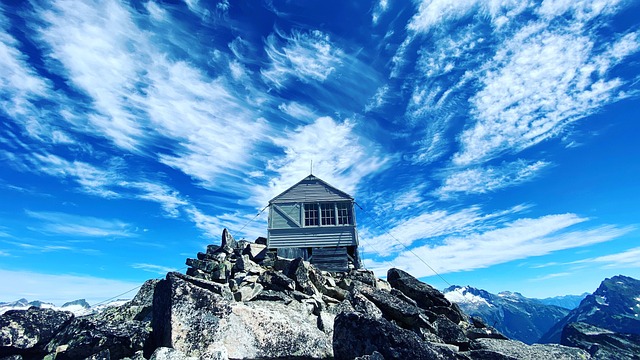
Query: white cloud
{"x": 143, "y": 95}
{"x": 626, "y": 259}
{"x": 157, "y": 13}
{"x": 91, "y": 179}
{"x": 168, "y": 198}
{"x": 298, "y": 111}
{"x": 379, "y": 9}
{"x": 538, "y": 82}
{"x": 480, "y": 180}
{"x": 582, "y": 10}
{"x": 76, "y": 225}
{"x": 433, "y": 12}
{"x": 340, "y": 157}
{"x": 59, "y": 289}
{"x": 519, "y": 239}
{"x": 309, "y": 56}
{"x": 429, "y": 224}
{"x": 152, "y": 268}
{"x": 551, "y": 276}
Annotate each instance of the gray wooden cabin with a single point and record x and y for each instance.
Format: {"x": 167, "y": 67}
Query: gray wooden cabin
{"x": 316, "y": 221}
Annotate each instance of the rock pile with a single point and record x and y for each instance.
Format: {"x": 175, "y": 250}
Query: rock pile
{"x": 239, "y": 302}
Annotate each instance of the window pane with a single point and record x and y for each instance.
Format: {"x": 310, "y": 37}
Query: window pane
{"x": 310, "y": 214}
{"x": 328, "y": 214}
{"x": 344, "y": 214}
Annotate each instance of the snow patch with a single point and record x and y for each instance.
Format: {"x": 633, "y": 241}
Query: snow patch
{"x": 461, "y": 295}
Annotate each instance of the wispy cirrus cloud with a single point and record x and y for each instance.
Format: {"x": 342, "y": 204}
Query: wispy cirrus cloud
{"x": 77, "y": 225}
{"x": 306, "y": 56}
{"x": 626, "y": 259}
{"x": 480, "y": 180}
{"x": 339, "y": 157}
{"x": 431, "y": 224}
{"x": 534, "y": 87}
{"x": 153, "y": 268}
{"x": 519, "y": 239}
{"x": 141, "y": 94}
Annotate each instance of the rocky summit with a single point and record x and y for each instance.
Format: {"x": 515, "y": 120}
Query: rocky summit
{"x": 238, "y": 301}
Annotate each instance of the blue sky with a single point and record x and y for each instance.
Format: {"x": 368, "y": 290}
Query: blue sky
{"x": 495, "y": 140}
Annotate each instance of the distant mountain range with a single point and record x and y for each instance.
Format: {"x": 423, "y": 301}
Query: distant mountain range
{"x": 567, "y": 301}
{"x": 77, "y": 307}
{"x": 614, "y": 306}
{"x": 514, "y": 315}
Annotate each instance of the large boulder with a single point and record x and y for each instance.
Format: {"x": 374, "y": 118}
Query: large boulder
{"x": 265, "y": 329}
{"x": 187, "y": 313}
{"x": 194, "y": 317}
{"x": 394, "y": 308}
{"x": 424, "y": 295}
{"x": 138, "y": 308}
{"x": 356, "y": 335}
{"x": 87, "y": 336}
{"x": 601, "y": 343}
{"x": 26, "y": 332}
{"x": 512, "y": 349}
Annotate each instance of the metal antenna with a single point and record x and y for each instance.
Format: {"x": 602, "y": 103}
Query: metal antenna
{"x": 311, "y": 172}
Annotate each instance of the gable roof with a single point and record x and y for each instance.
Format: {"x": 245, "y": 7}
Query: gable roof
{"x": 311, "y": 188}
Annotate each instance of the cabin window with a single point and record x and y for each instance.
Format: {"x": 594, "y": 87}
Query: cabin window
{"x": 328, "y": 214}
{"x": 310, "y": 214}
{"x": 344, "y": 214}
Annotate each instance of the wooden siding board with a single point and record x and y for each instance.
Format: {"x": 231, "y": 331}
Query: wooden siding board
{"x": 330, "y": 259}
{"x": 285, "y": 216}
{"x": 309, "y": 190}
{"x": 313, "y": 237}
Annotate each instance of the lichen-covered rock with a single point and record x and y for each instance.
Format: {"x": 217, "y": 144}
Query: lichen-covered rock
{"x": 298, "y": 270}
{"x": 277, "y": 281}
{"x": 165, "y": 353}
{"x": 601, "y": 343}
{"x": 261, "y": 329}
{"x": 139, "y": 308}
{"x": 187, "y": 313}
{"x": 424, "y": 295}
{"x": 512, "y": 349}
{"x": 451, "y": 333}
{"x": 28, "y": 331}
{"x": 394, "y": 308}
{"x": 356, "y": 335}
{"x": 88, "y": 336}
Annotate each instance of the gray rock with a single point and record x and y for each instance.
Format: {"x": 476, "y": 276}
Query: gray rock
{"x": 275, "y": 280}
{"x": 393, "y": 308}
{"x": 365, "y": 306}
{"x": 425, "y": 296}
{"x": 355, "y": 335}
{"x": 247, "y": 292}
{"x": 508, "y": 349}
{"x": 88, "y": 336}
{"x": 244, "y": 264}
{"x": 139, "y": 308}
{"x": 187, "y": 314}
{"x": 165, "y": 353}
{"x": 261, "y": 329}
{"x": 601, "y": 343}
{"x": 299, "y": 272}
{"x": 485, "y": 332}
{"x": 256, "y": 252}
{"x": 451, "y": 333}
{"x": 270, "y": 295}
{"x": 26, "y": 332}
{"x": 227, "y": 240}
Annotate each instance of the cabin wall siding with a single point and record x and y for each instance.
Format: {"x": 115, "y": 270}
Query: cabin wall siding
{"x": 327, "y": 236}
{"x": 280, "y": 221}
{"x": 310, "y": 191}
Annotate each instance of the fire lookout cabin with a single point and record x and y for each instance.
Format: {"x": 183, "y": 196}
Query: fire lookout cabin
{"x": 317, "y": 222}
